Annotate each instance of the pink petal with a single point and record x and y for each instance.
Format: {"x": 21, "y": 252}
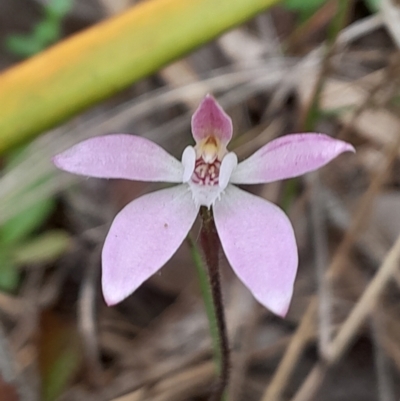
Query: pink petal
{"x": 210, "y": 120}
{"x": 259, "y": 243}
{"x": 120, "y": 156}
{"x": 289, "y": 156}
{"x": 143, "y": 237}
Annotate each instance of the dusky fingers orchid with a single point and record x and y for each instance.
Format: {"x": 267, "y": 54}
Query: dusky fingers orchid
{"x": 256, "y": 235}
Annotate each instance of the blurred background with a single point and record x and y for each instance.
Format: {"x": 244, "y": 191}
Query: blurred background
{"x": 303, "y": 65}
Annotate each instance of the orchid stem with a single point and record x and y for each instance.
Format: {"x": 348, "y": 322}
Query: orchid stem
{"x": 212, "y": 294}
{"x": 208, "y": 300}
{"x": 210, "y": 243}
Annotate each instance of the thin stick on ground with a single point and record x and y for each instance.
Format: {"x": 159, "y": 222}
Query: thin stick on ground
{"x": 292, "y": 354}
{"x": 320, "y": 242}
{"x": 352, "y": 324}
{"x": 383, "y": 367}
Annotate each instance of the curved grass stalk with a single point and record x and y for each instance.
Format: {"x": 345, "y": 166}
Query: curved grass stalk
{"x": 83, "y": 70}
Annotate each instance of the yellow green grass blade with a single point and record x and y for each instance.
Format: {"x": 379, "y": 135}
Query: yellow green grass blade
{"x": 91, "y": 66}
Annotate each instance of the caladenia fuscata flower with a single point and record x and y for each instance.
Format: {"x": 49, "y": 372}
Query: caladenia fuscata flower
{"x": 256, "y": 235}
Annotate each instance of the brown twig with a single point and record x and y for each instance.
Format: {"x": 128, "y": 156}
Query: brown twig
{"x": 320, "y": 242}
{"x": 292, "y": 354}
{"x": 352, "y": 324}
{"x": 382, "y": 366}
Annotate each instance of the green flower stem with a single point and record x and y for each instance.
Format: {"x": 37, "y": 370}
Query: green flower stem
{"x": 212, "y": 294}
{"x": 91, "y": 66}
{"x": 208, "y": 301}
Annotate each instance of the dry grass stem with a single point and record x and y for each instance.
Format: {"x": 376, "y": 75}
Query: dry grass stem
{"x": 296, "y": 346}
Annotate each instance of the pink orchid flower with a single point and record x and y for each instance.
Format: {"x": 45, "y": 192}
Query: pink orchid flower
{"x": 256, "y": 235}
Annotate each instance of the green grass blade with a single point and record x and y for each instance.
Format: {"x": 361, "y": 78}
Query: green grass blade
{"x": 89, "y": 67}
